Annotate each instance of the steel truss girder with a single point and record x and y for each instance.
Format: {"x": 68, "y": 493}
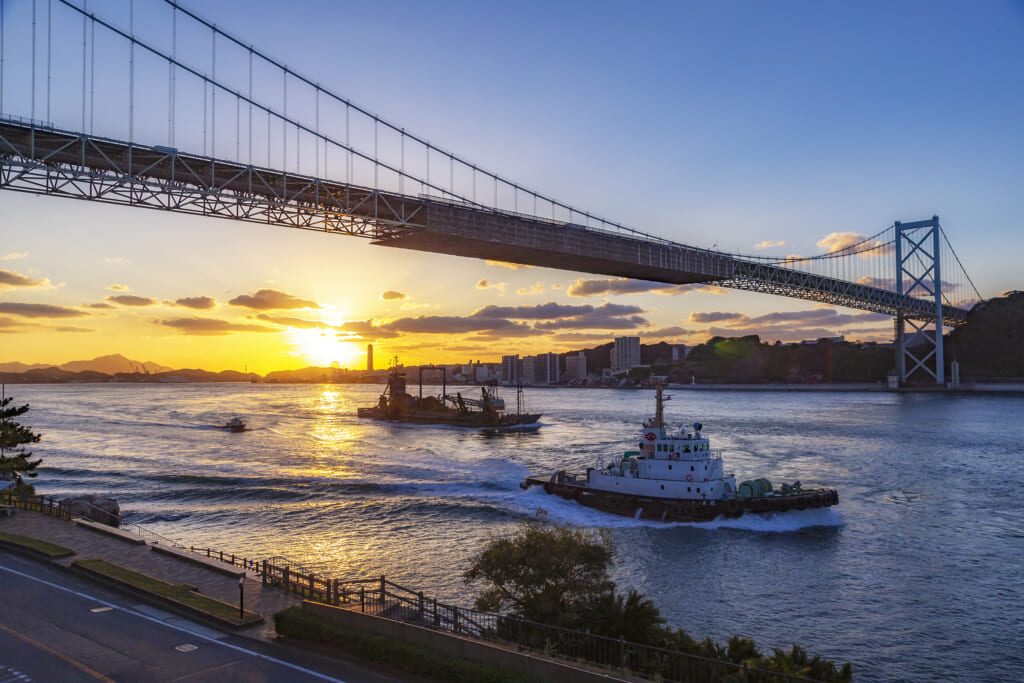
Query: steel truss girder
{"x": 43, "y": 161}
{"x": 769, "y": 279}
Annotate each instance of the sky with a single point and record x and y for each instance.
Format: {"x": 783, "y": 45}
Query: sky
{"x": 757, "y": 128}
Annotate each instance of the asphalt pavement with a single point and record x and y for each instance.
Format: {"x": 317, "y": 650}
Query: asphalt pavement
{"x": 58, "y": 626}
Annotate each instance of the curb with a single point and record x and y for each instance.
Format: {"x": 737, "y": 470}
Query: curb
{"x": 163, "y": 601}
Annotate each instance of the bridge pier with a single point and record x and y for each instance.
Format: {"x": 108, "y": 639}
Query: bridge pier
{"x": 917, "y": 260}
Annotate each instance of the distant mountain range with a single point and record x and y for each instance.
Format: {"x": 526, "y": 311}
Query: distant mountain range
{"x": 108, "y": 365}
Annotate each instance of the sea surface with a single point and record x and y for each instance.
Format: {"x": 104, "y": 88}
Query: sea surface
{"x": 916, "y": 575}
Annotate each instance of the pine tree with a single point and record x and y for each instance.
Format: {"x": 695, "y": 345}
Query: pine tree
{"x": 14, "y": 459}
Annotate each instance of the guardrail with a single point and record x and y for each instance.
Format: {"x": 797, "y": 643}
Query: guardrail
{"x": 49, "y": 506}
{"x": 387, "y": 599}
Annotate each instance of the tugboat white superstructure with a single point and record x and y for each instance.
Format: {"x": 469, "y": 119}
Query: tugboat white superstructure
{"x": 675, "y": 476}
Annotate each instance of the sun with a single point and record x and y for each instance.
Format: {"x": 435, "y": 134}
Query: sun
{"x": 321, "y": 348}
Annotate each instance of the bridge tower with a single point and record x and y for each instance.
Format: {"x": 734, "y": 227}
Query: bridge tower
{"x": 918, "y": 271}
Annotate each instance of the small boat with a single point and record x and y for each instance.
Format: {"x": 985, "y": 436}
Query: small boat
{"x": 674, "y": 476}
{"x": 235, "y": 424}
{"x": 487, "y": 412}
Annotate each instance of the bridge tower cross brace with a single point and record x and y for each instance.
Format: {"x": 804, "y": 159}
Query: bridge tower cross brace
{"x": 917, "y": 260}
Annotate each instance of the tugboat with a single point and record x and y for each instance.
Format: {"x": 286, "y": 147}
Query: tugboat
{"x": 675, "y": 477}
{"x": 487, "y": 412}
{"x": 235, "y": 424}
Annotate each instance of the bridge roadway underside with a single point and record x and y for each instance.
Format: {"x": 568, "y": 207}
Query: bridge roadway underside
{"x": 49, "y": 161}
{"x": 67, "y": 164}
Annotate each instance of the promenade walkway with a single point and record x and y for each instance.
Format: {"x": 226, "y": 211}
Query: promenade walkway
{"x": 90, "y": 544}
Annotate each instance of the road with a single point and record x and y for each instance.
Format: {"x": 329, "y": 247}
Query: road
{"x": 57, "y": 626}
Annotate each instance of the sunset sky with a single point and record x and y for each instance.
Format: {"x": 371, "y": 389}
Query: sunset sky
{"x": 762, "y": 128}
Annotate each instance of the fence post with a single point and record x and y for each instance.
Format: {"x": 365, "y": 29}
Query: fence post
{"x": 455, "y": 619}
{"x": 383, "y": 595}
{"x": 421, "y": 607}
{"x": 264, "y": 577}
{"x": 287, "y": 583}
{"x": 362, "y": 598}
{"x": 312, "y": 580}
{"x": 437, "y": 619}
{"x": 334, "y": 592}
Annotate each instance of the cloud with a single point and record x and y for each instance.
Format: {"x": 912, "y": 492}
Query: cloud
{"x": 581, "y": 337}
{"x": 114, "y": 260}
{"x": 506, "y": 264}
{"x": 68, "y": 328}
{"x": 10, "y": 280}
{"x": 768, "y": 244}
{"x": 605, "y": 317}
{"x": 40, "y": 310}
{"x": 268, "y": 299}
{"x": 713, "y": 317}
{"x": 585, "y": 288}
{"x": 442, "y": 324}
{"x": 538, "y": 288}
{"x": 366, "y": 330}
{"x": 118, "y": 288}
{"x": 209, "y": 327}
{"x": 545, "y": 311}
{"x": 674, "y": 331}
{"x": 780, "y": 333}
{"x": 199, "y": 303}
{"x": 102, "y": 304}
{"x": 839, "y": 241}
{"x": 14, "y": 256}
{"x": 299, "y": 323}
{"x": 392, "y": 295}
{"x": 132, "y": 300}
{"x": 486, "y": 284}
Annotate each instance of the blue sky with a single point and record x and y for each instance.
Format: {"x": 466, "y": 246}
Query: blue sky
{"x": 728, "y": 123}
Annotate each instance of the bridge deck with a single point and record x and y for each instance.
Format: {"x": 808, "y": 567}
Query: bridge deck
{"x": 49, "y": 161}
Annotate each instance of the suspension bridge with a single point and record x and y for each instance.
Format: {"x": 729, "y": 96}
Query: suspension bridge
{"x": 153, "y": 106}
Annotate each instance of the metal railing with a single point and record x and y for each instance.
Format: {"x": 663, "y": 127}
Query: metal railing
{"x": 383, "y": 598}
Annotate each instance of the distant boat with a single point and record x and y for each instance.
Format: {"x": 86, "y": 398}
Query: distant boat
{"x": 486, "y": 412}
{"x": 235, "y": 424}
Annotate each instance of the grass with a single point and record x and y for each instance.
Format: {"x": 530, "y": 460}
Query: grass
{"x": 411, "y": 659}
{"x": 51, "y": 550}
{"x": 181, "y": 593}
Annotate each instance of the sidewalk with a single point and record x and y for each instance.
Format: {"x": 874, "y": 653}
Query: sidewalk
{"x": 89, "y": 544}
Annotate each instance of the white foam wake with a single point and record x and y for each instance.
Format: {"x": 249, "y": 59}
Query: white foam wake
{"x": 561, "y": 510}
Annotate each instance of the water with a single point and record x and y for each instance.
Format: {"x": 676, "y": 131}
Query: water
{"x": 916, "y": 575}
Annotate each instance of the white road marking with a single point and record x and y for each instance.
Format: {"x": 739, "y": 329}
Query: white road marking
{"x": 236, "y": 648}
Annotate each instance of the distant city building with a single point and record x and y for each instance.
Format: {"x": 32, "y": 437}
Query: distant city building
{"x": 678, "y": 353}
{"x": 625, "y": 353}
{"x": 576, "y": 365}
{"x": 511, "y": 369}
{"x": 528, "y": 375}
{"x": 369, "y": 357}
{"x": 546, "y": 368}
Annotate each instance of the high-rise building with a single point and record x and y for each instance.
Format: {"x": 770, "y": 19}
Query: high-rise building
{"x": 511, "y": 369}
{"x": 576, "y": 365}
{"x": 625, "y": 353}
{"x": 528, "y": 374}
{"x": 546, "y": 368}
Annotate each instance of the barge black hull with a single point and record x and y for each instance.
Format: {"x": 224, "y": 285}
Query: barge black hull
{"x": 682, "y": 510}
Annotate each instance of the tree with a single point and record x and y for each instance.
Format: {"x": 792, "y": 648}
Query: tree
{"x": 631, "y": 616}
{"x": 14, "y": 459}
{"x": 544, "y": 572}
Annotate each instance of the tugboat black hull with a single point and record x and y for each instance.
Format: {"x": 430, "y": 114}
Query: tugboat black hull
{"x": 679, "y": 509}
{"x": 452, "y": 418}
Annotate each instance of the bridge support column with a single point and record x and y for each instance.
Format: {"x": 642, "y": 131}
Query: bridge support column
{"x": 918, "y": 271}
